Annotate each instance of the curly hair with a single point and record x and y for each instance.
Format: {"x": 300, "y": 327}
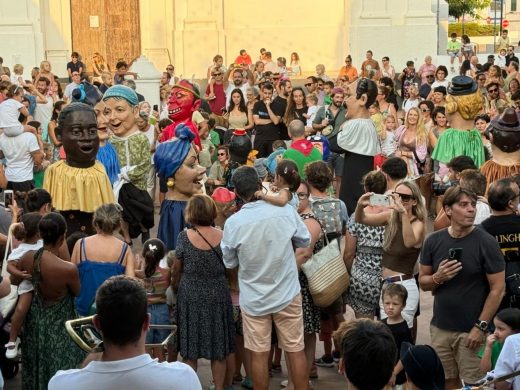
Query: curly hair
{"x": 468, "y": 106}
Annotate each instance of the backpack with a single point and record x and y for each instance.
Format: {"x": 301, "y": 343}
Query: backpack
{"x": 328, "y": 212}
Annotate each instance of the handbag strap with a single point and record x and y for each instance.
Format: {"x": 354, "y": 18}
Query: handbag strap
{"x": 211, "y": 246}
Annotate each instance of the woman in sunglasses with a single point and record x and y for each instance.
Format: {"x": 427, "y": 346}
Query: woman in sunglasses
{"x": 348, "y": 71}
{"x": 405, "y": 228}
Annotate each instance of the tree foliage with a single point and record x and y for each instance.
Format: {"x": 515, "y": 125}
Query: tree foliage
{"x": 458, "y": 8}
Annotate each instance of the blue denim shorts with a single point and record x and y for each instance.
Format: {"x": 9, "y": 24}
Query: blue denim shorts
{"x": 160, "y": 316}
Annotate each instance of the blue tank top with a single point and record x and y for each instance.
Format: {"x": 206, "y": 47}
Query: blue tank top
{"x": 92, "y": 274}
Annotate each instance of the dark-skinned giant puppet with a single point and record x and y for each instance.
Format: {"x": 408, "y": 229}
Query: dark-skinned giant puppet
{"x": 79, "y": 184}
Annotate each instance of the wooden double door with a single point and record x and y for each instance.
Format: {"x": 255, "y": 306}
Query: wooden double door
{"x": 110, "y": 27}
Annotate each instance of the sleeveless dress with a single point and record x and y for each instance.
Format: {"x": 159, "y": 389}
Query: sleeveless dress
{"x": 205, "y": 324}
{"x": 311, "y": 312}
{"x": 171, "y": 222}
{"x": 92, "y": 274}
{"x": 365, "y": 281}
{"x": 47, "y": 347}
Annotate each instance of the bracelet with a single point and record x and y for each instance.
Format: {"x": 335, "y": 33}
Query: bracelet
{"x": 436, "y": 282}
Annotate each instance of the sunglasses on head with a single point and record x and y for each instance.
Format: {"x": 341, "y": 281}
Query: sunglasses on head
{"x": 404, "y": 197}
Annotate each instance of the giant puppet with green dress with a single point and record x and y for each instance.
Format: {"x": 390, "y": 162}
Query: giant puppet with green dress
{"x": 463, "y": 104}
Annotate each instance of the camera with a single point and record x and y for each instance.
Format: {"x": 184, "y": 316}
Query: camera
{"x": 439, "y": 187}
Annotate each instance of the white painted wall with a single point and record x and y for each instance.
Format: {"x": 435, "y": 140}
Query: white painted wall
{"x": 188, "y": 33}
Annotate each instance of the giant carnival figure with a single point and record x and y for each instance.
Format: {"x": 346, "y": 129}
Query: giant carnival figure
{"x": 79, "y": 184}
{"x": 463, "y": 104}
{"x": 184, "y": 100}
{"x": 358, "y": 141}
{"x": 133, "y": 152}
{"x": 505, "y": 141}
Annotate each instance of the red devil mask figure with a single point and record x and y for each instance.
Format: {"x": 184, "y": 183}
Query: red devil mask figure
{"x": 183, "y": 102}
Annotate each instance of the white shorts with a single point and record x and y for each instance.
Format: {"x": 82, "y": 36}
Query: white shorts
{"x": 412, "y": 302}
{"x": 24, "y": 287}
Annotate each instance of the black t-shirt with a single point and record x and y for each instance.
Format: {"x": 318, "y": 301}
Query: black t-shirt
{"x": 401, "y": 333}
{"x": 281, "y": 104}
{"x": 74, "y": 67}
{"x": 269, "y": 132}
{"x": 458, "y": 302}
{"x": 506, "y": 230}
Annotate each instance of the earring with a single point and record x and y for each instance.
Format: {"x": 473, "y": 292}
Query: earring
{"x": 170, "y": 183}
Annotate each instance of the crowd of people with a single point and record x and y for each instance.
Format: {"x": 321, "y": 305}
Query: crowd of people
{"x": 258, "y": 181}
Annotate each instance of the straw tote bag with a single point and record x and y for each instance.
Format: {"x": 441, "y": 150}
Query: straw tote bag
{"x": 327, "y": 274}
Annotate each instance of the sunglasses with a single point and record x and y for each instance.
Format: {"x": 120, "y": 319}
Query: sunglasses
{"x": 404, "y": 197}
{"x": 492, "y": 90}
{"x": 430, "y": 76}
{"x": 221, "y": 154}
{"x": 425, "y": 110}
{"x": 217, "y": 74}
{"x": 169, "y": 68}
{"x": 302, "y": 195}
{"x": 308, "y": 85}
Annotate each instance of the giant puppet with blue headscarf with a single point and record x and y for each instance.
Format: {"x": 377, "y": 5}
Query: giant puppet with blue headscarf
{"x": 177, "y": 166}
{"x": 133, "y": 152}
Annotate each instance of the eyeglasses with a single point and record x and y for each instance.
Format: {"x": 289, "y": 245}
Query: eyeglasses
{"x": 404, "y": 197}
{"x": 384, "y": 60}
{"x": 308, "y": 84}
{"x": 492, "y": 90}
{"x": 217, "y": 74}
{"x": 482, "y": 79}
{"x": 169, "y": 68}
{"x": 430, "y": 76}
{"x": 425, "y": 110}
{"x": 221, "y": 154}
{"x": 302, "y": 195}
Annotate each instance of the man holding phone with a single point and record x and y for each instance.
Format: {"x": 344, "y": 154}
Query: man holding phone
{"x": 464, "y": 268}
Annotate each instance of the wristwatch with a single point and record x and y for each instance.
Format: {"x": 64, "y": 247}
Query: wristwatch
{"x": 482, "y": 325}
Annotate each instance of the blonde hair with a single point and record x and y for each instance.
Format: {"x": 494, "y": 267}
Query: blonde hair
{"x": 418, "y": 211}
{"x": 468, "y": 106}
{"x": 45, "y": 63}
{"x": 106, "y": 76}
{"x": 107, "y": 218}
{"x": 18, "y": 69}
{"x": 421, "y": 134}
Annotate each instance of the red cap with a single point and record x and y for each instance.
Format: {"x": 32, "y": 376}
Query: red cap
{"x": 223, "y": 195}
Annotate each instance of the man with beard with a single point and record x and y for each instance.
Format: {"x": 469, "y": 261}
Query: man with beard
{"x": 328, "y": 121}
{"x": 44, "y": 103}
{"x": 281, "y": 102}
{"x": 238, "y": 80}
{"x": 267, "y": 114}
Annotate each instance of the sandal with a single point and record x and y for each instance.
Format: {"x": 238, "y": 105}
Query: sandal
{"x": 11, "y": 351}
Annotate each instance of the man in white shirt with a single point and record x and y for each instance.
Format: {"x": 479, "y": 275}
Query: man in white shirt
{"x": 76, "y": 79}
{"x": 21, "y": 152}
{"x": 259, "y": 239}
{"x": 44, "y": 103}
{"x": 239, "y": 81}
{"x": 122, "y": 316}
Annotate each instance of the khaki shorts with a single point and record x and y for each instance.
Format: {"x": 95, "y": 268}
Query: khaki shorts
{"x": 289, "y": 328}
{"x": 458, "y": 360}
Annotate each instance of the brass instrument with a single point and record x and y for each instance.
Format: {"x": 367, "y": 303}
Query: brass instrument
{"x": 83, "y": 332}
